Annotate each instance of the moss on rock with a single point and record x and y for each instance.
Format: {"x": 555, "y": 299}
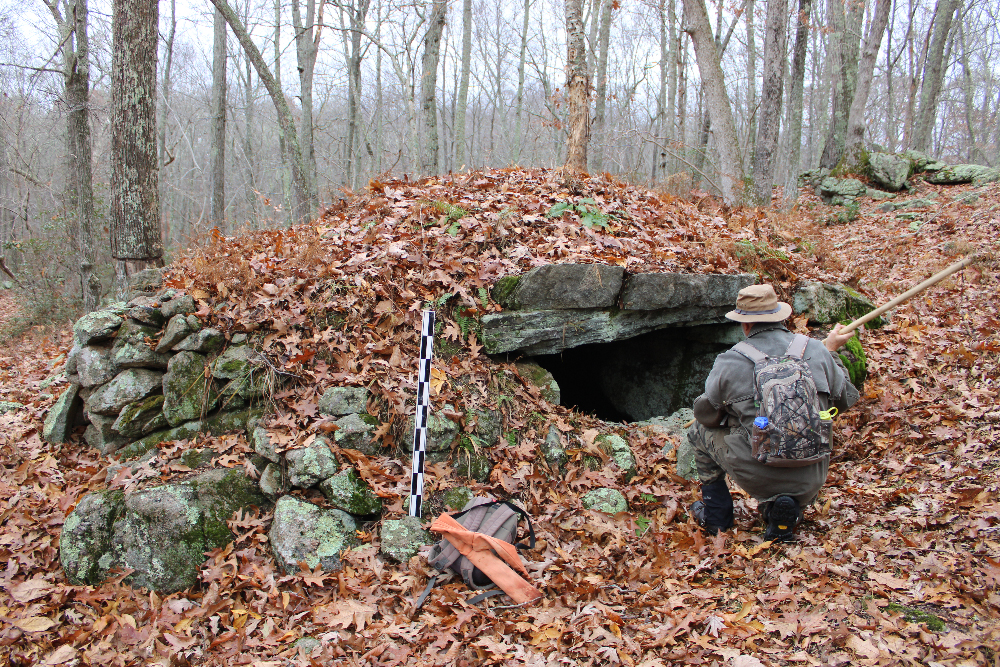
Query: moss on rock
{"x": 854, "y": 359}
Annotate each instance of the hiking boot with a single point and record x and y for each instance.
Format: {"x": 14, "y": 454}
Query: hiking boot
{"x": 782, "y": 516}
{"x": 698, "y": 512}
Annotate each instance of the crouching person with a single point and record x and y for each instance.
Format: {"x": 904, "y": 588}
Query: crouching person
{"x": 763, "y": 421}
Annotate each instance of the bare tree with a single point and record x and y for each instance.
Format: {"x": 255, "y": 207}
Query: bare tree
{"x": 723, "y": 125}
{"x": 428, "y": 85}
{"x": 135, "y": 211}
{"x": 462, "y": 104}
{"x": 772, "y": 92}
{"x": 866, "y": 69}
{"x": 600, "y": 103}
{"x": 522, "y": 59}
{"x": 793, "y": 121}
{"x": 75, "y": 46}
{"x": 844, "y": 54}
{"x": 217, "y": 167}
{"x": 930, "y": 88}
{"x": 577, "y": 88}
{"x": 307, "y": 38}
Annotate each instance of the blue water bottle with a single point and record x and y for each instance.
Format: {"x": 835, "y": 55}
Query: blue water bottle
{"x": 760, "y": 439}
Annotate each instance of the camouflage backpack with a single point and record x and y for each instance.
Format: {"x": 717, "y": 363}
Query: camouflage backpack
{"x": 785, "y": 393}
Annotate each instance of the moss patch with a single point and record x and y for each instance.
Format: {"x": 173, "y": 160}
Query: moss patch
{"x": 854, "y": 359}
{"x": 503, "y": 290}
{"x": 914, "y": 615}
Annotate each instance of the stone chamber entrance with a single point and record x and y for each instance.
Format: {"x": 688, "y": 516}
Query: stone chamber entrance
{"x": 635, "y": 379}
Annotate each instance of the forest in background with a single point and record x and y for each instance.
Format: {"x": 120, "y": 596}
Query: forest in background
{"x": 376, "y": 87}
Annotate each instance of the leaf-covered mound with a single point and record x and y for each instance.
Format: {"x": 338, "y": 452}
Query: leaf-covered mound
{"x": 896, "y": 564}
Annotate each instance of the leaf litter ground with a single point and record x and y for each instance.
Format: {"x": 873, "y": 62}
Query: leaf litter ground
{"x": 897, "y": 563}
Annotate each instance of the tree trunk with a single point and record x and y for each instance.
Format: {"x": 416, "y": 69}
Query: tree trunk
{"x": 428, "y": 85}
{"x": 519, "y": 111}
{"x": 218, "y": 149}
{"x": 771, "y": 96}
{"x": 793, "y": 124}
{"x": 866, "y": 69}
{"x": 164, "y": 158}
{"x": 967, "y": 94}
{"x": 306, "y": 48}
{"x": 845, "y": 37}
{"x": 463, "y": 84}
{"x": 600, "y": 104}
{"x": 577, "y": 88}
{"x": 135, "y": 211}
{"x": 727, "y": 144}
{"x": 752, "y": 75}
{"x": 303, "y": 200}
{"x": 356, "y": 19}
{"x": 930, "y": 87}
{"x": 283, "y": 146}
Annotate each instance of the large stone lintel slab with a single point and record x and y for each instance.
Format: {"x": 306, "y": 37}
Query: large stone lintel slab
{"x": 655, "y": 291}
{"x": 562, "y": 286}
{"x": 551, "y": 331}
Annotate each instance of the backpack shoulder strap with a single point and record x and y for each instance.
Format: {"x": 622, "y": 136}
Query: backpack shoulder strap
{"x": 797, "y": 347}
{"x": 750, "y": 352}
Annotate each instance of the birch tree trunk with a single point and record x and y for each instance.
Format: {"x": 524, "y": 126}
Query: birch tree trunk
{"x": 135, "y": 211}
{"x": 772, "y": 93}
{"x": 577, "y": 88}
{"x": 303, "y": 199}
{"x": 866, "y": 70}
{"x": 600, "y": 104}
{"x": 793, "y": 123}
{"x": 463, "y": 84}
{"x": 930, "y": 87}
{"x": 428, "y": 86}
{"x": 217, "y": 167}
{"x": 726, "y": 142}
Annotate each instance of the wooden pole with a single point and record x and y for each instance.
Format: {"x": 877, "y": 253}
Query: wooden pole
{"x": 936, "y": 278}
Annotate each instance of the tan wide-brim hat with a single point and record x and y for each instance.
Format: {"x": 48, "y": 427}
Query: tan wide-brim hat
{"x": 759, "y": 303}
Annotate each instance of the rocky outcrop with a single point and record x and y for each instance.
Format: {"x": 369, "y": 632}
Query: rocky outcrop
{"x": 825, "y": 303}
{"x": 958, "y": 173}
{"x": 552, "y": 310}
{"x": 836, "y": 191}
{"x": 888, "y": 170}
{"x": 162, "y": 533}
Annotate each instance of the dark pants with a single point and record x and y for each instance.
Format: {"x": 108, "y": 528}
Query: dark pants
{"x": 722, "y": 451}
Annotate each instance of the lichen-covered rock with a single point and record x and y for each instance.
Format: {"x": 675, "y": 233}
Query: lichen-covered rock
{"x": 619, "y": 452}
{"x": 85, "y": 540}
{"x": 441, "y": 433}
{"x": 835, "y": 191}
{"x": 97, "y": 326}
{"x": 131, "y": 350}
{"x": 161, "y": 533}
{"x": 959, "y": 173}
{"x": 341, "y": 401}
{"x": 991, "y": 176}
{"x": 220, "y": 422}
{"x": 141, "y": 418}
{"x": 301, "y": 531}
{"x": 176, "y": 331}
{"x": 605, "y": 500}
{"x": 102, "y": 436}
{"x": 147, "y": 280}
{"x": 181, "y": 305}
{"x": 145, "y": 309}
{"x": 402, "y": 538}
{"x": 567, "y": 286}
{"x": 94, "y": 365}
{"x": 541, "y": 378}
{"x": 188, "y": 394}
{"x": 486, "y": 426}
{"x": 263, "y": 446}
{"x": 825, "y": 303}
{"x": 347, "y": 491}
{"x": 129, "y": 386}
{"x": 457, "y": 497}
{"x": 553, "y": 451}
{"x": 655, "y": 291}
{"x": 7, "y": 406}
{"x": 205, "y": 341}
{"x": 311, "y": 464}
{"x": 353, "y": 432}
{"x": 271, "y": 481}
{"x": 673, "y": 427}
{"x": 472, "y": 466}
{"x": 235, "y": 362}
{"x": 888, "y": 170}
{"x": 62, "y": 416}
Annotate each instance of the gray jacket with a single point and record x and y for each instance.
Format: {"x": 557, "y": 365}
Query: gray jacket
{"x": 727, "y": 410}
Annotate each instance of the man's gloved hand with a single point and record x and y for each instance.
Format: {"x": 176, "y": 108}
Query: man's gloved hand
{"x": 835, "y": 340}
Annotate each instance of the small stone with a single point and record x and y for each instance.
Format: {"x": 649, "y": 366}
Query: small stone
{"x": 187, "y": 392}
{"x": 102, "y": 436}
{"x": 472, "y": 466}
{"x": 62, "y": 416}
{"x": 340, "y": 401}
{"x": 8, "y": 406}
{"x": 348, "y": 492}
{"x": 205, "y": 341}
{"x": 402, "y": 538}
{"x": 176, "y": 331}
{"x": 888, "y": 170}
{"x": 270, "y": 481}
{"x": 130, "y": 385}
{"x": 309, "y": 465}
{"x": 262, "y": 445}
{"x": 131, "y": 350}
{"x": 457, "y": 497}
{"x": 606, "y": 500}
{"x": 619, "y": 451}
{"x": 441, "y": 433}
{"x": 147, "y": 280}
{"x": 355, "y": 433}
{"x": 141, "y": 418}
{"x": 146, "y": 309}
{"x": 95, "y": 365}
{"x": 178, "y": 306}
{"x": 235, "y": 362}
{"x": 96, "y": 326}
{"x": 301, "y": 531}
{"x": 541, "y": 378}
{"x": 554, "y": 452}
